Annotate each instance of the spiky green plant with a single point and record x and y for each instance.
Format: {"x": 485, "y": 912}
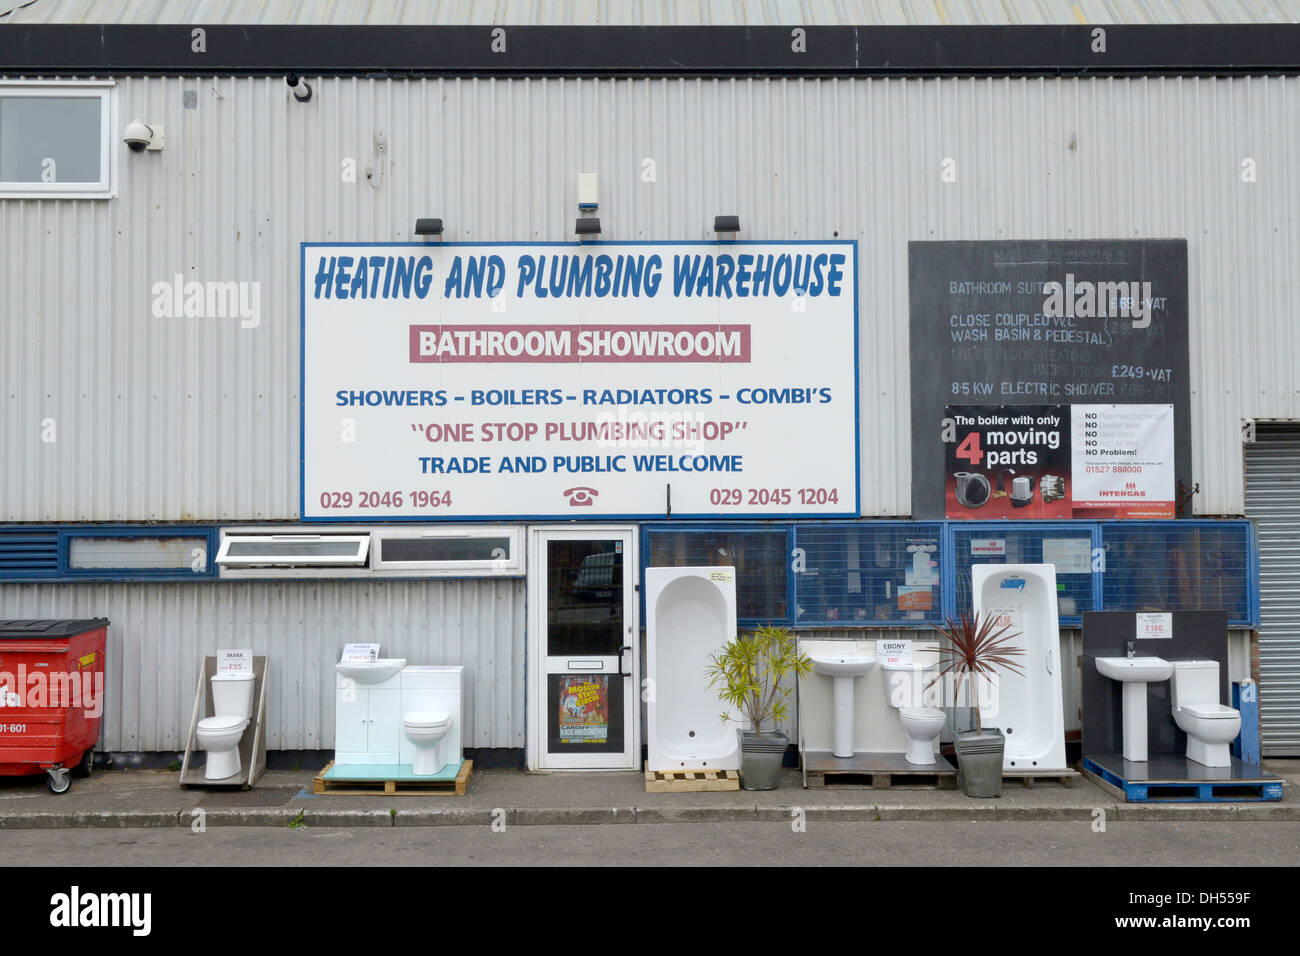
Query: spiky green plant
{"x": 749, "y": 671}
{"x": 974, "y": 647}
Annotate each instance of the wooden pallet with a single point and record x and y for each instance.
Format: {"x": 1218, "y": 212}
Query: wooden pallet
{"x": 689, "y": 781}
{"x": 1065, "y": 777}
{"x": 881, "y": 780}
{"x": 440, "y": 788}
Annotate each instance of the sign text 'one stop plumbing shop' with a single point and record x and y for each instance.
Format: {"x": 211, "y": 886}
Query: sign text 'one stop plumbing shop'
{"x": 579, "y": 381}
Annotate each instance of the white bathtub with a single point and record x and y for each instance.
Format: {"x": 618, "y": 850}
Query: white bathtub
{"x": 690, "y": 615}
{"x": 1028, "y": 709}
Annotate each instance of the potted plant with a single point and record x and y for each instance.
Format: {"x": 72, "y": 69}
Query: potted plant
{"x": 748, "y": 674}
{"x": 976, "y": 649}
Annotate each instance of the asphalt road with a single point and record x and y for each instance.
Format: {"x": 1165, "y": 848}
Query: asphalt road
{"x": 892, "y": 843}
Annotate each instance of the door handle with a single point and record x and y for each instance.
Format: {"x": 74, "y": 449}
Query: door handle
{"x": 625, "y": 647}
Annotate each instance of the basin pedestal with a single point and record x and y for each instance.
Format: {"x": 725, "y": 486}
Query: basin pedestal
{"x": 1135, "y": 721}
{"x": 842, "y": 716}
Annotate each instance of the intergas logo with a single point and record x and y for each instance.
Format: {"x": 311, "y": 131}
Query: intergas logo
{"x": 1100, "y": 300}
{"x": 76, "y": 909}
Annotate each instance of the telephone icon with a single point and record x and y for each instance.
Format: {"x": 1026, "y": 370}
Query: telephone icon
{"x": 580, "y": 497}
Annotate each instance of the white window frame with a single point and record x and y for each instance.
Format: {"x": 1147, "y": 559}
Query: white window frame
{"x": 370, "y": 567}
{"x": 512, "y": 566}
{"x": 105, "y": 188}
{"x": 279, "y": 564}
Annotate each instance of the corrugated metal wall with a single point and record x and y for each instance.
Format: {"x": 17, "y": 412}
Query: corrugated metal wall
{"x": 650, "y": 12}
{"x": 197, "y": 419}
{"x": 160, "y": 632}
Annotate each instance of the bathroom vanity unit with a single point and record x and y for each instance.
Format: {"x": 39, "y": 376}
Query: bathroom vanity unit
{"x": 850, "y": 704}
{"x": 374, "y": 703}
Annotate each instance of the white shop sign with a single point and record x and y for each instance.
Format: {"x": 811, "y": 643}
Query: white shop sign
{"x": 578, "y": 380}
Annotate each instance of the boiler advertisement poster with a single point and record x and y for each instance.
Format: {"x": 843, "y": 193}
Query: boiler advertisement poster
{"x": 1059, "y": 461}
{"x": 579, "y": 380}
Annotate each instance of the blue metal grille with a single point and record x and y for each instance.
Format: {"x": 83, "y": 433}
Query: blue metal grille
{"x": 29, "y": 553}
{"x": 759, "y": 555}
{"x": 1067, "y": 545}
{"x": 41, "y": 553}
{"x": 1181, "y": 566}
{"x": 865, "y": 573}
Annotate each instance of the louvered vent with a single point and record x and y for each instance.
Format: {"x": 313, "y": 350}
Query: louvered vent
{"x": 29, "y": 554}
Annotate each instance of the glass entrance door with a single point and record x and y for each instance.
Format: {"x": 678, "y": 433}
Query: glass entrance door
{"x": 583, "y": 649}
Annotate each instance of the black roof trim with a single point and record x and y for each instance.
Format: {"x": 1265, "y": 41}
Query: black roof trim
{"x": 630, "y": 51}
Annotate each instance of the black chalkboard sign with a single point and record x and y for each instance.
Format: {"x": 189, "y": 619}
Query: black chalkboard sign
{"x": 1044, "y": 323}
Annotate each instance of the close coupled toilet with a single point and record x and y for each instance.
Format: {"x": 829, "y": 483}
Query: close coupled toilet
{"x": 232, "y": 703}
{"x": 1210, "y": 726}
{"x": 905, "y": 686}
{"x": 425, "y": 731}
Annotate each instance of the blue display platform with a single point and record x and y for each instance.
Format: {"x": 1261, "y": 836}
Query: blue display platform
{"x": 1172, "y": 778}
{"x": 387, "y": 771}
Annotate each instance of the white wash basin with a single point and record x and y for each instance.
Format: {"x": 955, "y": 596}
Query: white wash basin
{"x": 1142, "y": 669}
{"x": 1134, "y": 673}
{"x": 843, "y": 670}
{"x": 371, "y": 672}
{"x": 841, "y": 665}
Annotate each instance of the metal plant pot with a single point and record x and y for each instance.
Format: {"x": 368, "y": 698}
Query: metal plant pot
{"x": 760, "y": 760}
{"x": 979, "y": 761}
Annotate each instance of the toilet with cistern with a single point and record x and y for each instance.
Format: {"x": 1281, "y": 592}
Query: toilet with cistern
{"x": 232, "y": 704}
{"x": 1210, "y": 726}
{"x": 905, "y": 684}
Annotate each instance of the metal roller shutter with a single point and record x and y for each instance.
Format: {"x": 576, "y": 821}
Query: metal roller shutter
{"x": 1273, "y": 500}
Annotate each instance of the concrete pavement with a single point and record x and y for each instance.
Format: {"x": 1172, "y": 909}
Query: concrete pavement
{"x": 153, "y": 798}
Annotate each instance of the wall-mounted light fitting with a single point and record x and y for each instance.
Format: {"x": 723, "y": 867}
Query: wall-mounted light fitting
{"x": 729, "y": 224}
{"x": 588, "y": 227}
{"x": 428, "y": 228}
{"x": 301, "y": 91}
{"x": 588, "y": 191}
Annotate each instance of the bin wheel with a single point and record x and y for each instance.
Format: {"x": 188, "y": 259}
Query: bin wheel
{"x": 58, "y": 781}
{"x": 85, "y": 764}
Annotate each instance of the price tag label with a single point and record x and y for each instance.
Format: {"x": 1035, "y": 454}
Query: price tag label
{"x": 360, "y": 653}
{"x": 1155, "y": 626}
{"x": 235, "y": 661}
{"x": 894, "y": 652}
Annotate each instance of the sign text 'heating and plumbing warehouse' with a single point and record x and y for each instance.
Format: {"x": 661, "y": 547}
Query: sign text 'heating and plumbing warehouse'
{"x": 578, "y": 381}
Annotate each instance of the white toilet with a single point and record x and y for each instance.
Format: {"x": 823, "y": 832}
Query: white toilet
{"x": 1210, "y": 726}
{"x": 232, "y": 702}
{"x": 425, "y": 731}
{"x": 905, "y": 687}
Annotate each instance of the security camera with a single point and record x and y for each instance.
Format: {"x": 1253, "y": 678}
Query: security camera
{"x": 140, "y": 136}
{"x": 301, "y": 91}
